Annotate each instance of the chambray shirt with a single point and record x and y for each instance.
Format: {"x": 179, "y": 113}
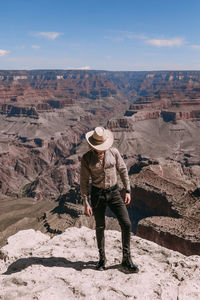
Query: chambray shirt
{"x": 103, "y": 176}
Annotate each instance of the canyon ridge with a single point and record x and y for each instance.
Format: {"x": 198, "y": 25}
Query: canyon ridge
{"x": 155, "y": 118}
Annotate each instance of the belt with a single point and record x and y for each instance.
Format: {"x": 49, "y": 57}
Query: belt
{"x": 110, "y": 189}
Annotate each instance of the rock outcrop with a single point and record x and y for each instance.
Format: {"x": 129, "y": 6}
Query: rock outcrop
{"x": 167, "y": 207}
{"x": 66, "y": 268}
{"x": 178, "y": 234}
{"x": 19, "y": 111}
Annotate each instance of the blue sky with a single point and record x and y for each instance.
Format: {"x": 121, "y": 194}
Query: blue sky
{"x": 99, "y": 34}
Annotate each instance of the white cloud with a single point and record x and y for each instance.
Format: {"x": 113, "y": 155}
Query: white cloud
{"x": 4, "y": 52}
{"x": 35, "y": 47}
{"x": 85, "y": 68}
{"x": 81, "y": 68}
{"x": 120, "y": 36}
{"x": 49, "y": 35}
{"x": 26, "y": 68}
{"x": 197, "y": 47}
{"x": 165, "y": 43}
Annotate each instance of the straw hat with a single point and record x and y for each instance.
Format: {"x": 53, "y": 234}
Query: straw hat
{"x": 100, "y": 138}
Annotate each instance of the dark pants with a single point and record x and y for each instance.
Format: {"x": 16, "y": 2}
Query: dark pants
{"x": 100, "y": 199}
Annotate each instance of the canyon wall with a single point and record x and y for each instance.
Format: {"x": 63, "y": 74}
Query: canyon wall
{"x": 155, "y": 118}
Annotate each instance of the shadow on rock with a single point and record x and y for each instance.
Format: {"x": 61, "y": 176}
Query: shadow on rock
{"x": 24, "y": 263}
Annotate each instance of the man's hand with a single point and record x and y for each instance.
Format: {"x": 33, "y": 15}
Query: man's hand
{"x": 88, "y": 210}
{"x": 127, "y": 198}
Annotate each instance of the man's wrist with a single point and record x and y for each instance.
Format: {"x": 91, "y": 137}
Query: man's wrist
{"x": 86, "y": 203}
{"x": 128, "y": 191}
{"x": 85, "y": 200}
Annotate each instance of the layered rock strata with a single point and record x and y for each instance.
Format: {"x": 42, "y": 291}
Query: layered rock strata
{"x": 178, "y": 234}
{"x": 168, "y": 210}
{"x": 43, "y": 118}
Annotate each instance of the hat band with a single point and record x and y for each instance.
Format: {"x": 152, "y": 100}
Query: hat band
{"x": 96, "y": 142}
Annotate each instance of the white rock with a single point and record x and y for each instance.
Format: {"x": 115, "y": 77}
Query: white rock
{"x": 23, "y": 242}
{"x": 64, "y": 268}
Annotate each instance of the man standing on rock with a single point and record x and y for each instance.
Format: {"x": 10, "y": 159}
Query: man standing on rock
{"x": 101, "y": 164}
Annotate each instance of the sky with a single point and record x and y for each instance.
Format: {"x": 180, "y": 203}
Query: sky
{"x": 116, "y": 35}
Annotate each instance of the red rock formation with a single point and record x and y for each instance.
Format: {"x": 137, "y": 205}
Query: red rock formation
{"x": 18, "y": 111}
{"x": 173, "y": 116}
{"x": 178, "y": 234}
{"x": 65, "y": 104}
{"x": 122, "y": 124}
{"x": 168, "y": 208}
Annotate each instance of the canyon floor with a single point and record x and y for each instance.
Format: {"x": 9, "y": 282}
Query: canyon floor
{"x": 35, "y": 266}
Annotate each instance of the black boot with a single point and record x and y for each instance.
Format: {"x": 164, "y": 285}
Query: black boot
{"x": 101, "y": 246}
{"x": 128, "y": 265}
{"x": 101, "y": 265}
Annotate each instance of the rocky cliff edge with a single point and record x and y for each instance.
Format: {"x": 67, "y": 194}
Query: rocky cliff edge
{"x": 35, "y": 266}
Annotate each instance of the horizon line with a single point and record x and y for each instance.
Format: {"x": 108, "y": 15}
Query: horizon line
{"x": 101, "y": 70}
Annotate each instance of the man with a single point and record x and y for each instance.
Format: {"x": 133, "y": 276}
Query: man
{"x": 101, "y": 164}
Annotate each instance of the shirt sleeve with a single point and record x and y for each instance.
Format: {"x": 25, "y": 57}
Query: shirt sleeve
{"x": 84, "y": 180}
{"x": 122, "y": 169}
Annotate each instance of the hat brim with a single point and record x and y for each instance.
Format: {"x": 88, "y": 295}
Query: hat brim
{"x": 103, "y": 146}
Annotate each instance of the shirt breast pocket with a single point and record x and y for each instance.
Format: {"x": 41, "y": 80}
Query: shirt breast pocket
{"x": 95, "y": 167}
{"x": 110, "y": 164}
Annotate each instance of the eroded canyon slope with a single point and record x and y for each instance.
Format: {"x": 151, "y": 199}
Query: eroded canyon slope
{"x": 155, "y": 118}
